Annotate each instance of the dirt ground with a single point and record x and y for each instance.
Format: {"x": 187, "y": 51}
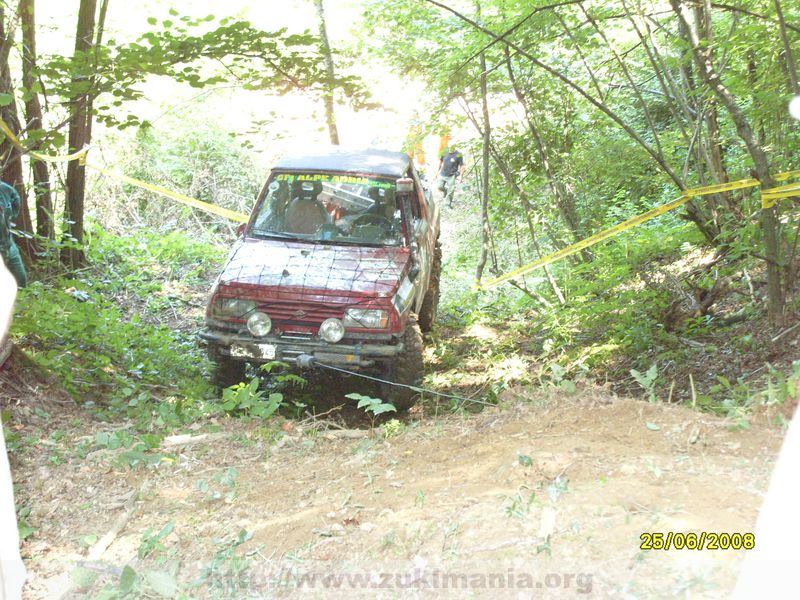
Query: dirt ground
{"x": 547, "y": 495}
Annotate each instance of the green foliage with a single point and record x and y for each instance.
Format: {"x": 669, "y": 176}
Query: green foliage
{"x": 393, "y": 428}
{"x": 197, "y": 157}
{"x": 518, "y": 506}
{"x": 144, "y": 584}
{"x": 151, "y": 542}
{"x": 227, "y": 486}
{"x": 100, "y": 332}
{"x": 98, "y": 353}
{"x": 780, "y": 387}
{"x": 24, "y": 528}
{"x": 247, "y": 399}
{"x": 375, "y": 406}
{"x": 647, "y": 381}
{"x": 227, "y": 573}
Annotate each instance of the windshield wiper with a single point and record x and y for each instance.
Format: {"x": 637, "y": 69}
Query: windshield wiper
{"x": 342, "y": 242}
{"x": 276, "y": 235}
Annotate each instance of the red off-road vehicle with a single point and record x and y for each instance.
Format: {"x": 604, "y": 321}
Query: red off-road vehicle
{"x": 339, "y": 265}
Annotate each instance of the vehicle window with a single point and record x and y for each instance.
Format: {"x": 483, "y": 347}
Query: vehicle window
{"x": 330, "y": 208}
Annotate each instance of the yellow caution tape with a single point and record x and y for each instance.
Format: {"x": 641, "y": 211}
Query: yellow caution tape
{"x": 188, "y": 200}
{"x": 768, "y": 199}
{"x": 767, "y": 196}
{"x": 81, "y": 156}
{"x": 585, "y": 243}
{"x": 721, "y": 187}
{"x": 786, "y": 175}
{"x": 771, "y": 196}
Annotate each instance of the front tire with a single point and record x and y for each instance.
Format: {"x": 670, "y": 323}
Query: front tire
{"x": 406, "y": 369}
{"x": 226, "y": 370}
{"x": 430, "y": 303}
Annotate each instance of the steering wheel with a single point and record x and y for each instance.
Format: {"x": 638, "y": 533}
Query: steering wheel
{"x": 326, "y": 231}
{"x": 372, "y": 219}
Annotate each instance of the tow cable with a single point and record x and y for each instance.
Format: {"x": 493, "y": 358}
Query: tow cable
{"x": 306, "y": 361}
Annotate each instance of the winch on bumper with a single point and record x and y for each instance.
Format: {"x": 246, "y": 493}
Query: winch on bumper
{"x": 287, "y": 347}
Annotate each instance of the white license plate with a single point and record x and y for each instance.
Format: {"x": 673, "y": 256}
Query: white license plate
{"x": 261, "y": 351}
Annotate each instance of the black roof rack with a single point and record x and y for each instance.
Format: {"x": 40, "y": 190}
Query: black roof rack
{"x": 368, "y": 161}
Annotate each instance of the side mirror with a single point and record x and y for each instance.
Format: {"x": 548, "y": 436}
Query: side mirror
{"x": 240, "y": 229}
{"x": 405, "y": 186}
{"x": 413, "y": 273}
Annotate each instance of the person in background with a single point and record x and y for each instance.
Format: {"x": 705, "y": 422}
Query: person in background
{"x": 12, "y": 570}
{"x": 451, "y": 165}
{"x": 9, "y": 210}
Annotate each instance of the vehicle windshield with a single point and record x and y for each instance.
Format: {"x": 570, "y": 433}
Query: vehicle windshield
{"x": 323, "y": 207}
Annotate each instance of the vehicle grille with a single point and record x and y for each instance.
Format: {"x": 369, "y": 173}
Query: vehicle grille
{"x": 300, "y": 313}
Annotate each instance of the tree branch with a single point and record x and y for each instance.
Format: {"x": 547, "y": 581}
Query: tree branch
{"x": 658, "y": 158}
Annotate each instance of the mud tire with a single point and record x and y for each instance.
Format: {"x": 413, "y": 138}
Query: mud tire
{"x": 406, "y": 369}
{"x": 430, "y": 303}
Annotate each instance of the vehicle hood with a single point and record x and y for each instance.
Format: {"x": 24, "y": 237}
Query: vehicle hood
{"x": 311, "y": 270}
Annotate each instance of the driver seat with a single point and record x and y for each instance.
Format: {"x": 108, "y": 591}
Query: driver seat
{"x": 305, "y": 214}
{"x": 383, "y": 204}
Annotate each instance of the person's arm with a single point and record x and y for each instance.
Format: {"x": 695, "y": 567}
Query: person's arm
{"x": 14, "y": 196}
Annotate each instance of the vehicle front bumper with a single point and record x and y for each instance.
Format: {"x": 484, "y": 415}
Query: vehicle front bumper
{"x": 287, "y": 347}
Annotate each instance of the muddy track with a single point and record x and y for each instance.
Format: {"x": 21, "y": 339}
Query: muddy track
{"x": 541, "y": 486}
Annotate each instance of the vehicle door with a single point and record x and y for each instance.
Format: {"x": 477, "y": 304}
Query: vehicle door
{"x": 425, "y": 230}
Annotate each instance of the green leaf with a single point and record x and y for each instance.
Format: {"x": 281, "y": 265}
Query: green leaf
{"x": 524, "y": 460}
{"x": 24, "y": 530}
{"x": 6, "y": 99}
{"x": 166, "y": 530}
{"x": 127, "y": 580}
{"x": 568, "y": 386}
{"x": 652, "y": 372}
{"x": 82, "y": 577}
{"x": 152, "y": 20}
{"x": 383, "y": 408}
{"x": 161, "y": 583}
{"x": 243, "y": 536}
{"x": 152, "y": 440}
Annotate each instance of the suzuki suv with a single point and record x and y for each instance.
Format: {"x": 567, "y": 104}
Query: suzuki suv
{"x": 338, "y": 266}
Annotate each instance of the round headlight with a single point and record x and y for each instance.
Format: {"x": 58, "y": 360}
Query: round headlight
{"x": 259, "y": 324}
{"x": 331, "y": 330}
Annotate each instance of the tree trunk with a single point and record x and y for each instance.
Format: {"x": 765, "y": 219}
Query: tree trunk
{"x": 72, "y": 254}
{"x": 791, "y": 68}
{"x": 769, "y": 225}
{"x": 11, "y": 156}
{"x": 487, "y": 140}
{"x": 330, "y": 117}
{"x": 101, "y": 21}
{"x": 45, "y": 225}
{"x": 713, "y": 139}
